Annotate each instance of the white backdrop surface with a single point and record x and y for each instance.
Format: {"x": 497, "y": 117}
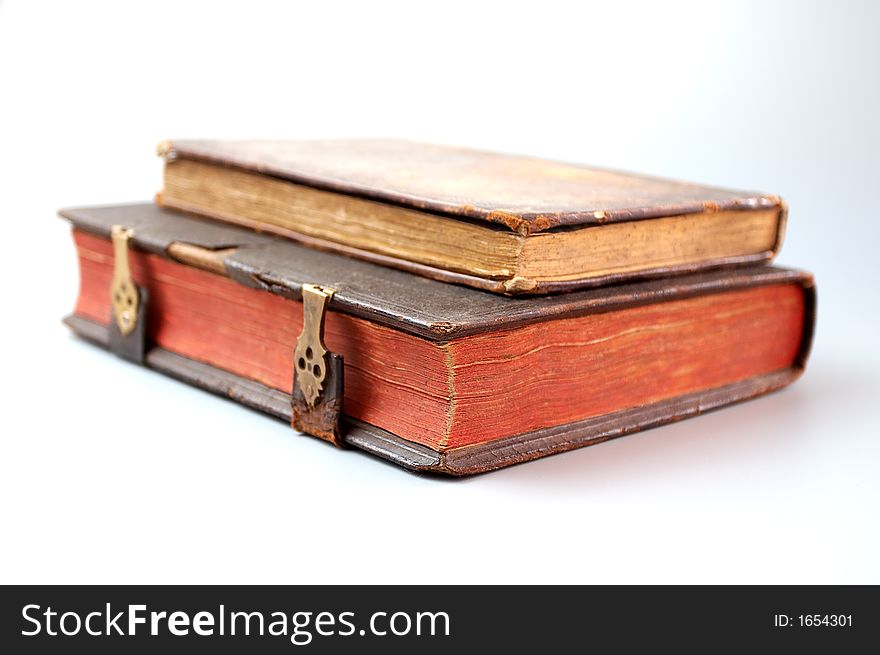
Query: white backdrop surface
{"x": 110, "y": 473}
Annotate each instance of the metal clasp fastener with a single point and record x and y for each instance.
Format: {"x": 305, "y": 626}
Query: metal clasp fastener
{"x": 318, "y": 385}
{"x": 310, "y": 353}
{"x": 124, "y": 295}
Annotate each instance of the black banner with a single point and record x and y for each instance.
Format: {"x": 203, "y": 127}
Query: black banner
{"x": 163, "y": 619}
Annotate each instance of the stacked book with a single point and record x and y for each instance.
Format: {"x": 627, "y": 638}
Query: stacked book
{"x": 449, "y": 310}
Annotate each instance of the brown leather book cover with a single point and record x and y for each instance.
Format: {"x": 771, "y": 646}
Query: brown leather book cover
{"x": 440, "y": 377}
{"x": 502, "y": 223}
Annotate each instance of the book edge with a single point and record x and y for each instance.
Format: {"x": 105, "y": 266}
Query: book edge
{"x": 524, "y": 223}
{"x": 478, "y": 458}
{"x": 514, "y": 285}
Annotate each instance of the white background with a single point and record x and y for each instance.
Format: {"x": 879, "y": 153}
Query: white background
{"x": 111, "y": 473}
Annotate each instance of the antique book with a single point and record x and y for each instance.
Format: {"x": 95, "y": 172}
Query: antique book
{"x": 507, "y": 224}
{"x": 437, "y": 377}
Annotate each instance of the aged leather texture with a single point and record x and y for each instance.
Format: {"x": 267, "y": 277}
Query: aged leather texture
{"x": 155, "y": 229}
{"x": 132, "y": 346}
{"x": 324, "y": 419}
{"x": 414, "y": 304}
{"x": 523, "y": 194}
{"x": 434, "y": 311}
{"x": 467, "y": 460}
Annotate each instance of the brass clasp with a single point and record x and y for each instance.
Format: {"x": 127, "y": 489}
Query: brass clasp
{"x": 124, "y": 296}
{"x": 127, "y": 330}
{"x": 310, "y": 353}
{"x": 318, "y": 384}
